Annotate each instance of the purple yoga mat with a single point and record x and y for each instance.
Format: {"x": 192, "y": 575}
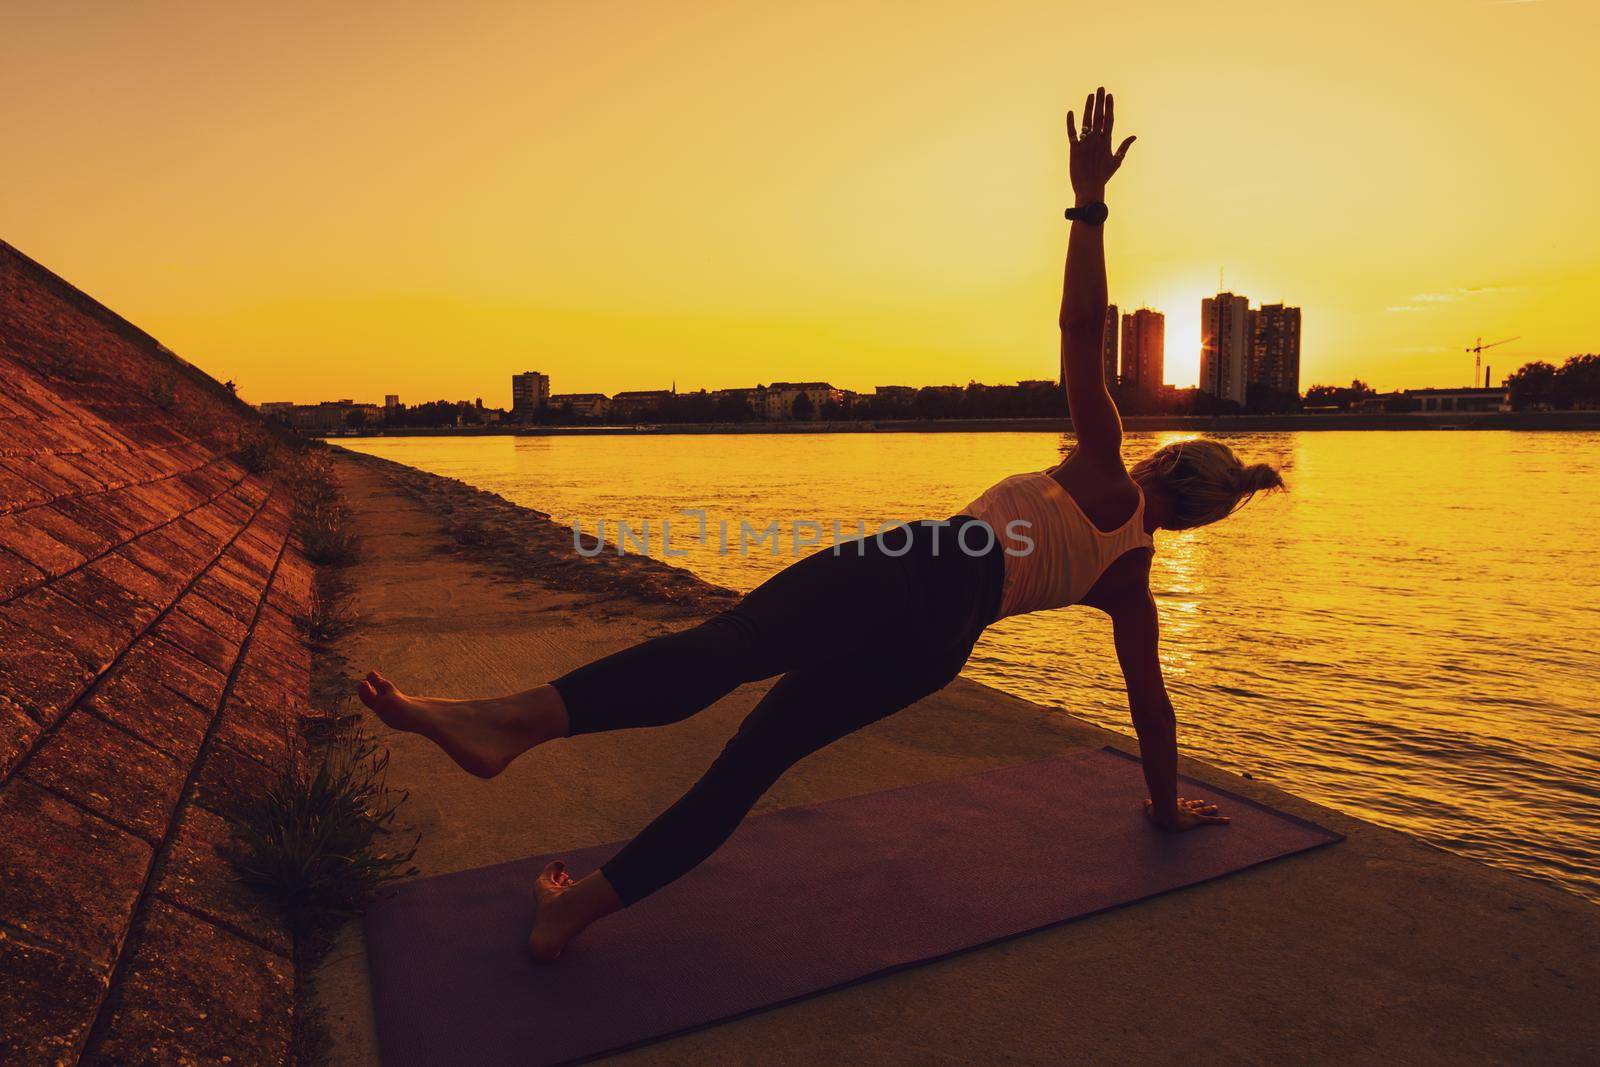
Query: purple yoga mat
{"x": 797, "y": 902}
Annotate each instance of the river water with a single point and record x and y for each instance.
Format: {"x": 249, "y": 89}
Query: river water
{"x": 1409, "y": 635}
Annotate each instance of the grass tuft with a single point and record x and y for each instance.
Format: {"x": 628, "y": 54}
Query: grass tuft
{"x": 163, "y": 390}
{"x": 256, "y": 451}
{"x": 317, "y": 842}
{"x": 332, "y": 612}
{"x": 326, "y": 526}
{"x": 328, "y": 535}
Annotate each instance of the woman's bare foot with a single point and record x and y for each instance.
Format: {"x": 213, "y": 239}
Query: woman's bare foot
{"x": 566, "y": 908}
{"x": 483, "y": 736}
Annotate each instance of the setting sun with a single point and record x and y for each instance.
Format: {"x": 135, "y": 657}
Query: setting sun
{"x": 1181, "y": 304}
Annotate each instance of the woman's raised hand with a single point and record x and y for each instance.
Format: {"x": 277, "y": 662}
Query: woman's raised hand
{"x": 1092, "y": 162}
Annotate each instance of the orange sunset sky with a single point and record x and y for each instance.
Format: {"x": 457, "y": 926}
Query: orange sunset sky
{"x": 338, "y": 200}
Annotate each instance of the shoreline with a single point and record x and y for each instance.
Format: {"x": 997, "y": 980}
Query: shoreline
{"x": 1217, "y": 424}
{"x": 524, "y": 543}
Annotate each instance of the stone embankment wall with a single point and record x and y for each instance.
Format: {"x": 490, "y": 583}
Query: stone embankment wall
{"x": 151, "y": 672}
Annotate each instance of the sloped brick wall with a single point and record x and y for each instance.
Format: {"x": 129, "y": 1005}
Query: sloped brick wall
{"x": 150, "y": 673}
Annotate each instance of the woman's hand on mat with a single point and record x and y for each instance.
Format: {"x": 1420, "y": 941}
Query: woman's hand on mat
{"x": 1188, "y": 815}
{"x": 1091, "y": 161}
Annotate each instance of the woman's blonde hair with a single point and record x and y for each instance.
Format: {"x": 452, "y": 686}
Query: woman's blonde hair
{"x": 1204, "y": 480}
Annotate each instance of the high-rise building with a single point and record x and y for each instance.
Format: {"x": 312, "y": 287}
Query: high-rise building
{"x": 391, "y": 401}
{"x": 1144, "y": 346}
{"x": 1108, "y": 345}
{"x": 530, "y": 391}
{"x": 1275, "y": 352}
{"x": 1226, "y": 342}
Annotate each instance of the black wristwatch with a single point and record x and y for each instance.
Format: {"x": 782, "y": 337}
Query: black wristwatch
{"x": 1094, "y": 213}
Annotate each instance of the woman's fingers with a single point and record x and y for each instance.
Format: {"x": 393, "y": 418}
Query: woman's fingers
{"x": 1099, "y": 118}
{"x": 1124, "y": 149}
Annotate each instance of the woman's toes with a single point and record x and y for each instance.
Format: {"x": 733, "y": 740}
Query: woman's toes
{"x": 551, "y": 876}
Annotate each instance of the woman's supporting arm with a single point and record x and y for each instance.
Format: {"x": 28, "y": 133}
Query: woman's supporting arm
{"x": 1095, "y": 421}
{"x": 1136, "y": 629}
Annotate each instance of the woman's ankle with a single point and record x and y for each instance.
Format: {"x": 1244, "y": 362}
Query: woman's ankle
{"x": 563, "y": 720}
{"x": 532, "y": 717}
{"x": 550, "y": 712}
{"x": 593, "y": 898}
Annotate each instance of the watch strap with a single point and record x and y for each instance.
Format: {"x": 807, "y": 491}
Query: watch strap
{"x": 1094, "y": 213}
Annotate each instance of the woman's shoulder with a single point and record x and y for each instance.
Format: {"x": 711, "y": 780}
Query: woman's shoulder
{"x": 1103, "y": 492}
{"x": 1024, "y": 481}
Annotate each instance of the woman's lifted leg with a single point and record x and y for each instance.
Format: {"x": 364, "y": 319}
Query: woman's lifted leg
{"x": 816, "y": 610}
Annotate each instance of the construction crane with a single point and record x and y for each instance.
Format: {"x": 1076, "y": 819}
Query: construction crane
{"x": 1477, "y": 362}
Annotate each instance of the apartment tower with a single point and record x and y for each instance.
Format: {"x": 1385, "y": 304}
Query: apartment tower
{"x": 1144, "y": 350}
{"x": 1226, "y": 343}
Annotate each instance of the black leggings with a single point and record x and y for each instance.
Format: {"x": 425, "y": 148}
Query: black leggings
{"x": 858, "y": 632}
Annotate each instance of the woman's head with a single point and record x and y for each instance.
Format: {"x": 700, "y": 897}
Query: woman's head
{"x": 1202, "y": 481}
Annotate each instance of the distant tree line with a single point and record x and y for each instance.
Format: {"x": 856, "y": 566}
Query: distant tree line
{"x": 1025, "y": 400}
{"x": 1544, "y": 386}
{"x": 1340, "y": 397}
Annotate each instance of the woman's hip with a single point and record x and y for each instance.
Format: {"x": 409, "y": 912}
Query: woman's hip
{"x": 928, "y": 584}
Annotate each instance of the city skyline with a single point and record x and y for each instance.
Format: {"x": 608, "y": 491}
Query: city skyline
{"x": 1133, "y": 354}
{"x": 755, "y": 204}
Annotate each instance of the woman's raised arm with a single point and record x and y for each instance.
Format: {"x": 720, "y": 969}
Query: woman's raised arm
{"x": 1083, "y": 293}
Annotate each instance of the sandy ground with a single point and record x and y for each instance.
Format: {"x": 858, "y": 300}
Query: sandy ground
{"x": 1374, "y": 950}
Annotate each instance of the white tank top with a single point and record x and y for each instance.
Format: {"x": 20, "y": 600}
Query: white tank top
{"x": 1069, "y": 552}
